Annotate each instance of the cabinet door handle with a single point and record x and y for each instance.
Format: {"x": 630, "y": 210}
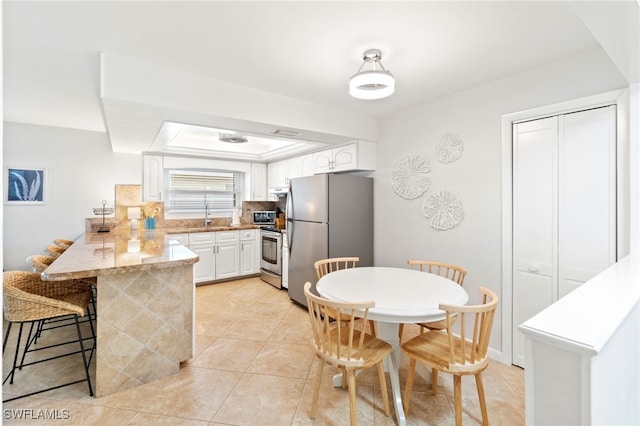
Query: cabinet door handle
{"x": 534, "y": 269}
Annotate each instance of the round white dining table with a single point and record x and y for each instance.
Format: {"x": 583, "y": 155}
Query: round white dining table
{"x": 401, "y": 295}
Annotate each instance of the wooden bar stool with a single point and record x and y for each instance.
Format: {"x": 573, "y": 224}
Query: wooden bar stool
{"x": 60, "y": 242}
{"x": 27, "y": 300}
{"x": 54, "y": 251}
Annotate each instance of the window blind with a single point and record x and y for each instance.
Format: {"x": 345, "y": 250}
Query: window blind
{"x": 189, "y": 190}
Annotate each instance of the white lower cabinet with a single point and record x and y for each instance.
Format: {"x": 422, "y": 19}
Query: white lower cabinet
{"x": 205, "y": 268}
{"x": 219, "y": 255}
{"x": 249, "y": 252}
{"x": 225, "y": 254}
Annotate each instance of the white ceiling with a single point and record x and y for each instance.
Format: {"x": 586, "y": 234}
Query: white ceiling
{"x": 304, "y": 50}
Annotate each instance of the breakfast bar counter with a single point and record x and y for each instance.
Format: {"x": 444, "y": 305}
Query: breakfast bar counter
{"x": 145, "y": 303}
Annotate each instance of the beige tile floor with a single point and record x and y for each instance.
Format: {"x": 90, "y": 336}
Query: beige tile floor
{"x": 254, "y": 365}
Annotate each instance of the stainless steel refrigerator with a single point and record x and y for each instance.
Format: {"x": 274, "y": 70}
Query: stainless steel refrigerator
{"x": 327, "y": 216}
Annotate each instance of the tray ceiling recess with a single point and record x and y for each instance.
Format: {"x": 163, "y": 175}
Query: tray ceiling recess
{"x": 194, "y": 139}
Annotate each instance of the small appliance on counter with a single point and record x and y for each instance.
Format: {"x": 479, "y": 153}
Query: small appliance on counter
{"x": 264, "y": 218}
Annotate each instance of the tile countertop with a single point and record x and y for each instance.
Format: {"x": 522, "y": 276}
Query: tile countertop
{"x": 95, "y": 254}
{"x": 210, "y": 228}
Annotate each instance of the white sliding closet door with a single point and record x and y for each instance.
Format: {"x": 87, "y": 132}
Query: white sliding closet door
{"x": 587, "y": 196}
{"x": 563, "y": 208}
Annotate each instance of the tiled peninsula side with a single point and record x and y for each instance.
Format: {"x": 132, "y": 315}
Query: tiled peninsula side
{"x": 145, "y": 303}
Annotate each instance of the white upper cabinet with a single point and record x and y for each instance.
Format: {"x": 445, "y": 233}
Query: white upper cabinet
{"x": 355, "y": 156}
{"x": 258, "y": 182}
{"x": 299, "y": 167}
{"x": 152, "y": 176}
{"x": 358, "y": 155}
{"x": 306, "y": 165}
{"x": 277, "y": 174}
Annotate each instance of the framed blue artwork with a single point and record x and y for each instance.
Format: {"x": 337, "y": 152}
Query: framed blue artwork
{"x": 25, "y": 186}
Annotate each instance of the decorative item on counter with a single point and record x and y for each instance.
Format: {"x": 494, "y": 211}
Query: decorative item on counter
{"x": 235, "y": 221}
{"x": 279, "y": 219}
{"x": 104, "y": 210}
{"x": 409, "y": 176}
{"x": 149, "y": 217}
{"x": 150, "y": 223}
{"x": 133, "y": 214}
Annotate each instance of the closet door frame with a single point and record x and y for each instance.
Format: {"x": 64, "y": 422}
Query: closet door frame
{"x": 620, "y": 98}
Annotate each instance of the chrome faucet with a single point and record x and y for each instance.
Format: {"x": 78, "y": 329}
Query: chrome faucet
{"x": 207, "y": 221}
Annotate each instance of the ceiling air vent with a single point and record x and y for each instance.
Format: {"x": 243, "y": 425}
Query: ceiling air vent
{"x": 288, "y": 133}
{"x": 231, "y": 138}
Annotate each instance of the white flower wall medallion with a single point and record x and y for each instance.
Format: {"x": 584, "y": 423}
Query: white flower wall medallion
{"x": 409, "y": 176}
{"x": 443, "y": 210}
{"x": 449, "y": 149}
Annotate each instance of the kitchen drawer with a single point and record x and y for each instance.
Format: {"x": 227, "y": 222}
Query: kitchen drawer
{"x": 226, "y": 236}
{"x": 247, "y": 234}
{"x": 202, "y": 238}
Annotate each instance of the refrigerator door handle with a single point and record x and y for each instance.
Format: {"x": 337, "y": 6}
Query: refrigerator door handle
{"x": 290, "y": 235}
{"x": 289, "y": 206}
{"x": 289, "y": 223}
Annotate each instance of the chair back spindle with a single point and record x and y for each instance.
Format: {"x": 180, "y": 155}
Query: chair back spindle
{"x": 339, "y": 339}
{"x": 452, "y": 272}
{"x": 325, "y": 266}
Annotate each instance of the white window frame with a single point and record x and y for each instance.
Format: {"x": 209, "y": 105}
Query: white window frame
{"x": 199, "y": 208}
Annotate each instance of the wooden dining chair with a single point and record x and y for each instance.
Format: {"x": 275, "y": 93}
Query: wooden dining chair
{"x": 452, "y": 272}
{"x": 344, "y": 343}
{"x": 458, "y": 355}
{"x": 325, "y": 266}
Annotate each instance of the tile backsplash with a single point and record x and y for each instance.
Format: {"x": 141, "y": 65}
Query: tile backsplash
{"x": 131, "y": 196}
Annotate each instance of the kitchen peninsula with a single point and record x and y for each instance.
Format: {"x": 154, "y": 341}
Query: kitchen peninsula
{"x": 145, "y": 303}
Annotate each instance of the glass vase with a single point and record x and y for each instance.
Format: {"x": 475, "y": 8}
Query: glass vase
{"x": 150, "y": 223}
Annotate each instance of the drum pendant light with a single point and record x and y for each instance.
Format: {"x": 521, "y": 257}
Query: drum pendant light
{"x": 374, "y": 83}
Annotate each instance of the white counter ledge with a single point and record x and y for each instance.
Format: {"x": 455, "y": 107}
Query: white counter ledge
{"x": 583, "y": 353}
{"x": 145, "y": 304}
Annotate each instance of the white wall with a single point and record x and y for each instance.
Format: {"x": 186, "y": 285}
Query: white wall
{"x": 475, "y": 115}
{"x": 82, "y": 171}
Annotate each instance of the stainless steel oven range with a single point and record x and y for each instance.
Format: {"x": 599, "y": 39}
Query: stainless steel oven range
{"x": 270, "y": 247}
{"x": 271, "y": 256}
